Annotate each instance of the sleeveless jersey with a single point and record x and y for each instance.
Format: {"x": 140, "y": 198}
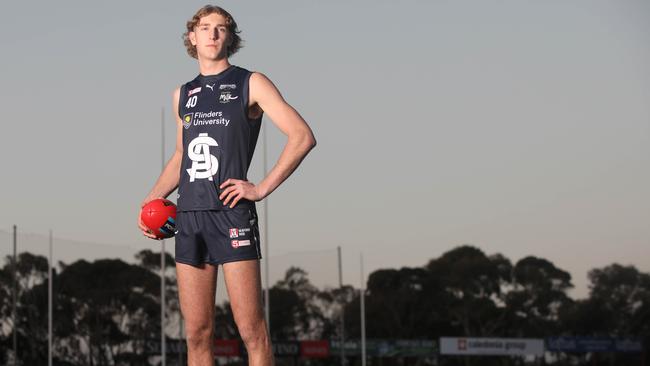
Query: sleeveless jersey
{"x": 218, "y": 137}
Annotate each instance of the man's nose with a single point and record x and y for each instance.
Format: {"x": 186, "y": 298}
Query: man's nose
{"x": 215, "y": 34}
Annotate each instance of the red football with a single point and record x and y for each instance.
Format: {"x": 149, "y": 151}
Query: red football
{"x": 159, "y": 215}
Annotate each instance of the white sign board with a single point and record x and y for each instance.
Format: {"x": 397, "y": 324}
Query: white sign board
{"x": 491, "y": 346}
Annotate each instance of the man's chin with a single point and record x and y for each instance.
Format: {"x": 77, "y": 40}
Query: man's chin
{"x": 212, "y": 56}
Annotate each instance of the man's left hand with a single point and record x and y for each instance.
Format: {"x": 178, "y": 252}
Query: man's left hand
{"x": 236, "y": 189}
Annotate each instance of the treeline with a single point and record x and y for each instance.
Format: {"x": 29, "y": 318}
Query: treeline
{"x": 105, "y": 310}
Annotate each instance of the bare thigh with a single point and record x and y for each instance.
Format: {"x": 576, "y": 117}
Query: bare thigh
{"x": 196, "y": 291}
{"x": 244, "y": 287}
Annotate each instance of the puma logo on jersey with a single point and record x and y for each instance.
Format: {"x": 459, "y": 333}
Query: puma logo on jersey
{"x": 211, "y": 87}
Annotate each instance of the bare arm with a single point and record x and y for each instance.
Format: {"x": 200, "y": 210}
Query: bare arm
{"x": 300, "y": 140}
{"x": 169, "y": 177}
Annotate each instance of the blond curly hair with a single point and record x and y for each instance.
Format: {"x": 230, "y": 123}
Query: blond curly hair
{"x": 236, "y": 43}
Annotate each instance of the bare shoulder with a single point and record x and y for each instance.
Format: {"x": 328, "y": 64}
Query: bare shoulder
{"x": 176, "y": 94}
{"x": 175, "y": 100}
{"x": 256, "y": 75}
{"x": 261, "y": 87}
{"x": 259, "y": 80}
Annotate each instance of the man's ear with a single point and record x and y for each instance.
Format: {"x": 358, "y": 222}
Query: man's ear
{"x": 192, "y": 37}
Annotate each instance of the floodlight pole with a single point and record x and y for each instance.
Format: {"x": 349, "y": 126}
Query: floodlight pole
{"x": 15, "y": 299}
{"x": 267, "y": 299}
{"x": 338, "y": 249}
{"x": 362, "y": 294}
{"x": 50, "y": 281}
{"x": 163, "y": 350}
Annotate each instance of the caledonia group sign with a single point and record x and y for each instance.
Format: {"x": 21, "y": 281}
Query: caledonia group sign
{"x": 491, "y": 346}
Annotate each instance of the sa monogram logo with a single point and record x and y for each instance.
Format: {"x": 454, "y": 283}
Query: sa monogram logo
{"x": 204, "y": 164}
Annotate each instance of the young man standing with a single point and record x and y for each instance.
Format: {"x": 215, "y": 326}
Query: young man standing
{"x": 218, "y": 117}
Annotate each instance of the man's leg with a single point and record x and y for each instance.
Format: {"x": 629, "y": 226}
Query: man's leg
{"x": 245, "y": 291}
{"x": 196, "y": 290}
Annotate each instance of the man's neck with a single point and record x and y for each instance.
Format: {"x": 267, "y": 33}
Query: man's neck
{"x": 213, "y": 67}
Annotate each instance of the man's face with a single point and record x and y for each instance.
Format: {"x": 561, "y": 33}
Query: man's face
{"x": 211, "y": 37}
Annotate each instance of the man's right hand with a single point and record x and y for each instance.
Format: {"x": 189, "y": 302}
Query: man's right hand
{"x": 170, "y": 176}
{"x": 145, "y": 230}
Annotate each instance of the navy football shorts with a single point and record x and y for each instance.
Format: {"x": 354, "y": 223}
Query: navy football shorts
{"x": 217, "y": 237}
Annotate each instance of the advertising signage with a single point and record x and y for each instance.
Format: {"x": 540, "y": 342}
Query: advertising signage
{"x": 387, "y": 348}
{"x": 593, "y": 344}
{"x": 315, "y": 349}
{"x": 282, "y": 348}
{"x": 312, "y": 348}
{"x": 491, "y": 346}
{"x": 226, "y": 347}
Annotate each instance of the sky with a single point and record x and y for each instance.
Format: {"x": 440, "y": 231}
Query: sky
{"x": 519, "y": 127}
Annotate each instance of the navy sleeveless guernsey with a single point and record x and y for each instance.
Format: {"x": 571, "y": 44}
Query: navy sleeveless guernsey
{"x": 218, "y": 137}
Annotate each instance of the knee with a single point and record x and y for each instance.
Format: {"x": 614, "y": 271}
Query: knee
{"x": 254, "y": 334}
{"x": 198, "y": 335}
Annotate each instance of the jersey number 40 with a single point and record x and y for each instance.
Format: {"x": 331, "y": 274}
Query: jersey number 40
{"x": 191, "y": 102}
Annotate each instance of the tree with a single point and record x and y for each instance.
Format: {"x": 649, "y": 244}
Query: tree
{"x": 112, "y": 306}
{"x": 399, "y": 298}
{"x": 620, "y": 298}
{"x": 618, "y": 306}
{"x": 473, "y": 283}
{"x": 540, "y": 291}
{"x": 31, "y": 313}
{"x": 297, "y": 311}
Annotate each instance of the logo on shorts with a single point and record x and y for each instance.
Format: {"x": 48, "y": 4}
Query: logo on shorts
{"x": 240, "y": 243}
{"x": 234, "y": 233}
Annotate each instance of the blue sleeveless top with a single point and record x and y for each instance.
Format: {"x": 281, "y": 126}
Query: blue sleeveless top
{"x": 218, "y": 137}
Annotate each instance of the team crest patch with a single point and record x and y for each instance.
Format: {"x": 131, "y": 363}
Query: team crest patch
{"x": 187, "y": 120}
